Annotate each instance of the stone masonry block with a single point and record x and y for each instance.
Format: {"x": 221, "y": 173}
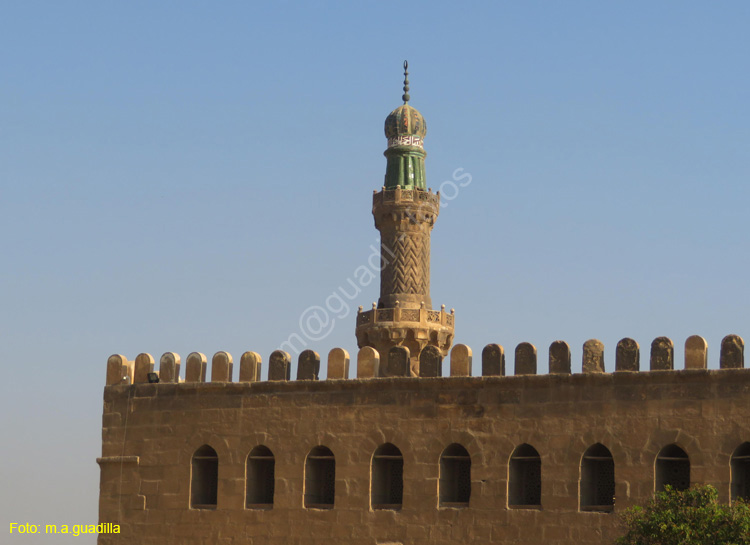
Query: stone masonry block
{"x": 250, "y": 366}
{"x": 221, "y": 367}
{"x": 169, "y": 367}
{"x": 195, "y": 367}
{"x": 525, "y": 363}
{"x": 308, "y": 365}
{"x": 732, "y": 352}
{"x": 338, "y": 364}
{"x": 279, "y": 365}
{"x": 431, "y": 362}
{"x": 662, "y": 354}
{"x": 398, "y": 362}
{"x": 627, "y": 355}
{"x": 493, "y": 361}
{"x": 461, "y": 361}
{"x": 593, "y": 356}
{"x": 115, "y": 365}
{"x": 144, "y": 364}
{"x": 696, "y": 350}
{"x": 559, "y": 358}
{"x": 368, "y": 363}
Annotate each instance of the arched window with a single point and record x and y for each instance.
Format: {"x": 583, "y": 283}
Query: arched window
{"x": 204, "y": 479}
{"x": 672, "y": 468}
{"x": 455, "y": 477}
{"x": 525, "y": 478}
{"x": 740, "y": 467}
{"x": 320, "y": 478}
{"x": 597, "y": 479}
{"x": 259, "y": 474}
{"x": 387, "y": 474}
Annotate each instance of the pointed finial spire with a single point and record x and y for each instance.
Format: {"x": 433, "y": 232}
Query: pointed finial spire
{"x": 406, "y": 96}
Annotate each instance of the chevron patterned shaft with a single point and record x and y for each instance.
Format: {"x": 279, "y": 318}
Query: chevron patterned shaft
{"x": 405, "y": 263}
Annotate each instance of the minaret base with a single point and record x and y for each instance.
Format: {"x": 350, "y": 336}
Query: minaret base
{"x": 385, "y": 328}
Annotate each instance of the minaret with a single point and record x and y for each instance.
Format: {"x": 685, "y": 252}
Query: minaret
{"x": 405, "y": 211}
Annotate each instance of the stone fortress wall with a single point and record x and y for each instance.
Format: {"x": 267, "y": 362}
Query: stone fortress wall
{"x": 491, "y": 458}
{"x": 402, "y": 455}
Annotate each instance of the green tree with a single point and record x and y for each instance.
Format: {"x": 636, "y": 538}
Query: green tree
{"x": 687, "y": 517}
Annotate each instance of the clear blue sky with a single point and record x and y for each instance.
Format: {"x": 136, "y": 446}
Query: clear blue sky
{"x": 191, "y": 176}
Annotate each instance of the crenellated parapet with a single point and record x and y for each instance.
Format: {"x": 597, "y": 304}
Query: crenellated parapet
{"x": 396, "y": 362}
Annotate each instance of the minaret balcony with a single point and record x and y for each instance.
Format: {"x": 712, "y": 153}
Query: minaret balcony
{"x": 416, "y": 315}
{"x": 383, "y": 327}
{"x": 406, "y": 196}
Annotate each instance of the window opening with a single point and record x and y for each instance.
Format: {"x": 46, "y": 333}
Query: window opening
{"x": 740, "y": 468}
{"x": 455, "y": 477}
{"x": 672, "y": 468}
{"x": 320, "y": 478}
{"x": 259, "y": 473}
{"x": 525, "y": 478}
{"x": 387, "y": 472}
{"x": 204, "y": 478}
{"x": 597, "y": 489}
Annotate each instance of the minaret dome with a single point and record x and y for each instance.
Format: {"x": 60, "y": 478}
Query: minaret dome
{"x": 405, "y": 129}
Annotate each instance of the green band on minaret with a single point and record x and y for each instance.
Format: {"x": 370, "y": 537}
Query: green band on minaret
{"x": 405, "y": 168}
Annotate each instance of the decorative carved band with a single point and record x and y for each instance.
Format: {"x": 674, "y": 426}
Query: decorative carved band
{"x": 405, "y": 140}
{"x": 376, "y": 317}
{"x": 385, "y": 315}
{"x": 410, "y": 315}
